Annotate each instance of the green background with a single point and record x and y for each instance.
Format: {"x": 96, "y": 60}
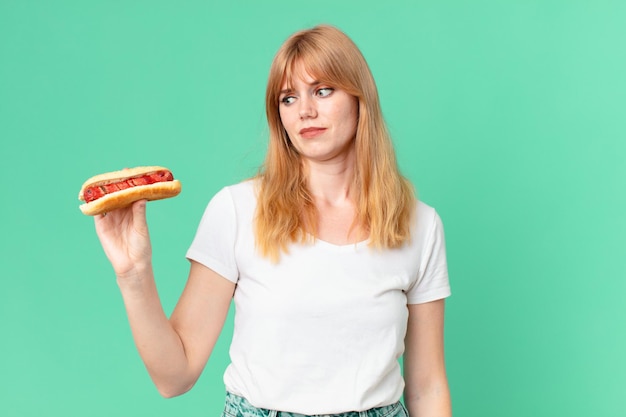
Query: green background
{"x": 509, "y": 117}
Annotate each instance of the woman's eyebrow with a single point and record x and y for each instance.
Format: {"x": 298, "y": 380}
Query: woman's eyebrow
{"x": 290, "y": 90}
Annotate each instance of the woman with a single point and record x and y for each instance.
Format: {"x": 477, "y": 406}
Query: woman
{"x": 335, "y": 268}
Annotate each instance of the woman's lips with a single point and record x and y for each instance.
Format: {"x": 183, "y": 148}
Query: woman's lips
{"x": 311, "y": 132}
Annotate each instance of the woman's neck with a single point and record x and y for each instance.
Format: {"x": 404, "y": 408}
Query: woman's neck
{"x": 331, "y": 183}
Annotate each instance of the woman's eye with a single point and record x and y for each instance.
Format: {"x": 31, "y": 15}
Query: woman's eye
{"x": 288, "y": 99}
{"x": 325, "y": 92}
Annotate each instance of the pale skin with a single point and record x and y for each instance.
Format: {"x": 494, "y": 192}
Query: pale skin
{"x": 175, "y": 350}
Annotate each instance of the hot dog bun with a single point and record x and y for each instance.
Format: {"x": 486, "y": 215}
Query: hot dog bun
{"x": 114, "y": 199}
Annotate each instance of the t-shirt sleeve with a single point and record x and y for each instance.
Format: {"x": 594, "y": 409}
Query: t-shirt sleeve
{"x": 432, "y": 281}
{"x": 214, "y": 243}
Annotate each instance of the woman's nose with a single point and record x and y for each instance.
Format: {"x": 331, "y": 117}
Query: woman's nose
{"x": 307, "y": 108}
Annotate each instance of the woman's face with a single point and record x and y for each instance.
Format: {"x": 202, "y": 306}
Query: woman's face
{"x": 320, "y": 119}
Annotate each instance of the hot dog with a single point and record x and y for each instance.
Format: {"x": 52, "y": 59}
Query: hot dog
{"x": 112, "y": 190}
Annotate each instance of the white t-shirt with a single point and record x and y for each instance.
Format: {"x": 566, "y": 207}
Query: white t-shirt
{"x": 321, "y": 331}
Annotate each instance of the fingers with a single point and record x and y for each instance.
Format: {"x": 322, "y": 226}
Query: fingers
{"x": 100, "y": 220}
{"x": 139, "y": 216}
{"x": 114, "y": 219}
{"x": 139, "y": 207}
{"x": 124, "y": 236}
{"x": 133, "y": 216}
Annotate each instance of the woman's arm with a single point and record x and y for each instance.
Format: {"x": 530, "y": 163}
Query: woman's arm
{"x": 426, "y": 393}
{"x": 174, "y": 351}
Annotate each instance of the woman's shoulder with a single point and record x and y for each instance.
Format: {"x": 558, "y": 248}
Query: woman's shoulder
{"x": 238, "y": 198}
{"x": 424, "y": 209}
{"x": 241, "y": 194}
{"x": 426, "y": 217}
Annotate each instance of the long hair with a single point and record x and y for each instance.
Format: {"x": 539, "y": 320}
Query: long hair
{"x": 384, "y": 199}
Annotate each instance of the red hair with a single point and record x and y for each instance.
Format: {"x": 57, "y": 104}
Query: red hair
{"x": 384, "y": 199}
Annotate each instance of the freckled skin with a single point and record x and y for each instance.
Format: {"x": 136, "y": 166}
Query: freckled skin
{"x": 332, "y": 113}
